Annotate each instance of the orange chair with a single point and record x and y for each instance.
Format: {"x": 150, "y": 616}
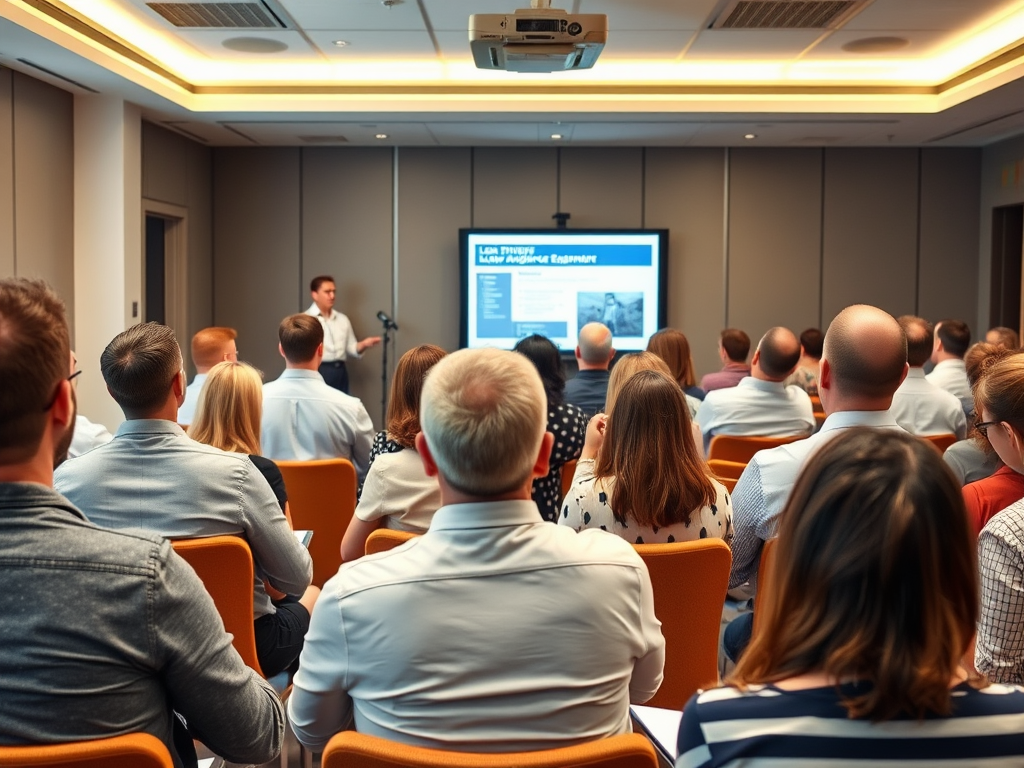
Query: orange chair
{"x": 224, "y": 565}
{"x": 349, "y": 749}
{"x": 763, "y": 569}
{"x": 568, "y": 470}
{"x": 730, "y": 470}
{"x": 384, "y": 539}
{"x": 941, "y": 442}
{"x": 132, "y": 750}
{"x": 816, "y": 404}
{"x": 690, "y": 580}
{"x": 322, "y": 498}
{"x": 742, "y": 449}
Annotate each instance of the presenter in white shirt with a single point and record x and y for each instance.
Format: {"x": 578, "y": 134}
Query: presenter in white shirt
{"x": 339, "y": 339}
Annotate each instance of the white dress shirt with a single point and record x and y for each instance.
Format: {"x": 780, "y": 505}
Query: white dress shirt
{"x": 187, "y": 411}
{"x": 763, "y": 488}
{"x": 339, "y": 339}
{"x": 398, "y": 489}
{"x": 305, "y": 419}
{"x": 951, "y": 375}
{"x": 756, "y": 408}
{"x": 494, "y": 631}
{"x": 87, "y": 436}
{"x": 922, "y": 408}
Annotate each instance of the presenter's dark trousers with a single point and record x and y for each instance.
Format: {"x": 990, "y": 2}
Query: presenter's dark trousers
{"x": 335, "y": 374}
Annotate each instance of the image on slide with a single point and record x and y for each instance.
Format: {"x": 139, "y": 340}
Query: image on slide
{"x": 622, "y": 312}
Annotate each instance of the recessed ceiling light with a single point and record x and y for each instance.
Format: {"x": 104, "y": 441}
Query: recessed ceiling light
{"x": 556, "y": 135}
{"x": 876, "y": 44}
{"x": 382, "y": 135}
{"x": 340, "y": 43}
{"x": 750, "y": 136}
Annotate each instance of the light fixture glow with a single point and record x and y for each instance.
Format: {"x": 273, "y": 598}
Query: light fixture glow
{"x": 556, "y": 135}
{"x": 340, "y": 43}
{"x": 382, "y": 135}
{"x": 750, "y": 136}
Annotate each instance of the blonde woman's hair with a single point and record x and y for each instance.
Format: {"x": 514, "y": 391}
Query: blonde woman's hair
{"x": 626, "y": 367}
{"x": 230, "y": 408}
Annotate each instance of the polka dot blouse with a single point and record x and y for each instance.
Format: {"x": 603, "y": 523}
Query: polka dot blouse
{"x": 569, "y": 426}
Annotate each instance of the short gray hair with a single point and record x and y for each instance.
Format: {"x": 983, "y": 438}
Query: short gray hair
{"x": 483, "y": 414}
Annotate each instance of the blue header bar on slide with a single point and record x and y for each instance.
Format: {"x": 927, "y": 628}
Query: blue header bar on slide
{"x": 563, "y": 255}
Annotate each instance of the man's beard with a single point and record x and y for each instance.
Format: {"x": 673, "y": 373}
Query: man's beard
{"x": 63, "y": 443}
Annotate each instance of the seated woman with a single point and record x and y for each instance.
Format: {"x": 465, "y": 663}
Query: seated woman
{"x": 646, "y": 436}
{"x": 871, "y": 600}
{"x": 673, "y": 347}
{"x": 973, "y": 459}
{"x": 397, "y": 492}
{"x": 565, "y": 421}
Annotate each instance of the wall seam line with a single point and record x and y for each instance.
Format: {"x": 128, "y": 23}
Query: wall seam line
{"x": 14, "y": 179}
{"x": 725, "y": 237}
{"x": 917, "y": 255}
{"x": 302, "y": 210}
{"x": 821, "y": 246}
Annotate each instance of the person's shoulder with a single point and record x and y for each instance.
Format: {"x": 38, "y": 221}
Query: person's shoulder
{"x": 594, "y": 546}
{"x": 1007, "y": 525}
{"x": 126, "y": 550}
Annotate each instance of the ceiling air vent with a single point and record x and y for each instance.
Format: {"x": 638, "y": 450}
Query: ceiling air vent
{"x": 786, "y": 14}
{"x": 218, "y": 15}
{"x": 324, "y": 139}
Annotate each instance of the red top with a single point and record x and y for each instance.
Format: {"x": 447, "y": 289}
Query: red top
{"x": 986, "y": 498}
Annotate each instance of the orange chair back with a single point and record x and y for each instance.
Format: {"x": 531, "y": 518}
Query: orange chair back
{"x": 568, "y": 470}
{"x": 322, "y": 498}
{"x": 742, "y": 449}
{"x": 349, "y": 749}
{"x": 690, "y": 580}
{"x": 816, "y": 404}
{"x": 941, "y": 442}
{"x": 729, "y": 470}
{"x": 224, "y": 565}
{"x": 384, "y": 539}
{"x": 763, "y": 569}
{"x": 132, "y": 750}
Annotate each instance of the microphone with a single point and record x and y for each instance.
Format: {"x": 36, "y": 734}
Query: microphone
{"x": 388, "y": 322}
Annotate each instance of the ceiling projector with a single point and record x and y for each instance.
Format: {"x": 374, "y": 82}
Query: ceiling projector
{"x": 537, "y": 39}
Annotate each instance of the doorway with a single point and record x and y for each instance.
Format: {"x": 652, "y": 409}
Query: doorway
{"x": 164, "y": 266}
{"x": 1007, "y": 253}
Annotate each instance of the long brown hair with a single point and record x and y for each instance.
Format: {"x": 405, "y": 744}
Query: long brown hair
{"x": 874, "y": 577}
{"x": 673, "y": 347}
{"x": 406, "y": 387}
{"x": 649, "y": 436}
{"x": 230, "y": 408}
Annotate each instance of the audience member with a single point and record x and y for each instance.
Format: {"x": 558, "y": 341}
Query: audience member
{"x": 104, "y": 632}
{"x": 1004, "y": 337}
{"x": 153, "y": 476}
{"x": 304, "y": 418}
{"x": 647, "y": 435}
{"x": 805, "y": 375}
{"x": 209, "y": 347}
{"x": 873, "y": 599}
{"x": 761, "y": 404}
{"x": 733, "y": 348}
{"x": 673, "y": 347}
{"x": 228, "y": 417}
{"x": 460, "y": 639}
{"x": 565, "y": 421}
{"x": 952, "y": 339}
{"x": 397, "y": 493}
{"x": 919, "y": 406}
{"x": 863, "y": 361}
{"x": 340, "y": 341}
{"x": 594, "y": 355}
{"x": 973, "y": 459}
{"x": 999, "y": 397}
{"x": 86, "y": 434}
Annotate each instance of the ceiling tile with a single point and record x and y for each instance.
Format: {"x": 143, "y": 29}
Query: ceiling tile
{"x": 327, "y": 133}
{"x": 893, "y": 15}
{"x": 390, "y": 46}
{"x": 342, "y": 15}
{"x": 922, "y": 43}
{"x": 750, "y": 44}
{"x": 210, "y": 42}
{"x": 652, "y": 14}
{"x": 665, "y": 45}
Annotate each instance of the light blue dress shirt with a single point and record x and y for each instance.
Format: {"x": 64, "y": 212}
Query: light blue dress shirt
{"x": 187, "y": 411}
{"x": 755, "y": 407}
{"x": 305, "y": 419}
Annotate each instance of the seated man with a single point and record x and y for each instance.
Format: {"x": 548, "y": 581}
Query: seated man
{"x": 305, "y": 419}
{"x": 761, "y": 404}
{"x": 919, "y": 406}
{"x": 805, "y": 375}
{"x": 952, "y": 340}
{"x": 457, "y": 640}
{"x": 153, "y": 476}
{"x": 588, "y": 388}
{"x": 733, "y": 348}
{"x": 104, "y": 632}
{"x": 209, "y": 347}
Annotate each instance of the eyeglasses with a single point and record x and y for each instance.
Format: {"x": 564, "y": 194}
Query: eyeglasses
{"x": 56, "y": 392}
{"x": 982, "y": 426}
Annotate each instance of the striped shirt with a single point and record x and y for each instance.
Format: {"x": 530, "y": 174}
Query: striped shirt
{"x": 765, "y": 727}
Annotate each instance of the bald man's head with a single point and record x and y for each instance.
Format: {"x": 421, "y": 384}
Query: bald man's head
{"x": 595, "y": 344}
{"x": 866, "y": 350}
{"x": 778, "y": 352}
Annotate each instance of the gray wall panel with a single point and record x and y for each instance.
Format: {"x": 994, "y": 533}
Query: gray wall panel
{"x": 6, "y": 174}
{"x": 199, "y": 194}
{"x": 44, "y": 192}
{"x": 346, "y": 232}
{"x": 602, "y": 187}
{"x": 774, "y": 239}
{"x": 948, "y": 279}
{"x": 429, "y": 220}
{"x": 256, "y": 248}
{"x": 165, "y": 168}
{"x": 514, "y": 186}
{"x": 685, "y": 194}
{"x": 870, "y": 230}
{"x": 1002, "y": 183}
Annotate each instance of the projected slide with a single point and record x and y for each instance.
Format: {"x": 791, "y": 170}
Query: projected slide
{"x": 552, "y": 283}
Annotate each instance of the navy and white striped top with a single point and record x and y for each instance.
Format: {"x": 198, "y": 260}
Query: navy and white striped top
{"x": 766, "y": 727}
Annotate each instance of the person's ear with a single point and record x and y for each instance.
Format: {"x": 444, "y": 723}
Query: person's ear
{"x": 756, "y": 358}
{"x": 320, "y": 350}
{"x": 63, "y": 410}
{"x": 824, "y": 374}
{"x": 611, "y": 354}
{"x": 280, "y": 350}
{"x": 429, "y": 465}
{"x": 578, "y": 355}
{"x": 542, "y": 466}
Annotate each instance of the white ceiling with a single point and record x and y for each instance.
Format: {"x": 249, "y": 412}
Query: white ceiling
{"x": 664, "y": 79}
